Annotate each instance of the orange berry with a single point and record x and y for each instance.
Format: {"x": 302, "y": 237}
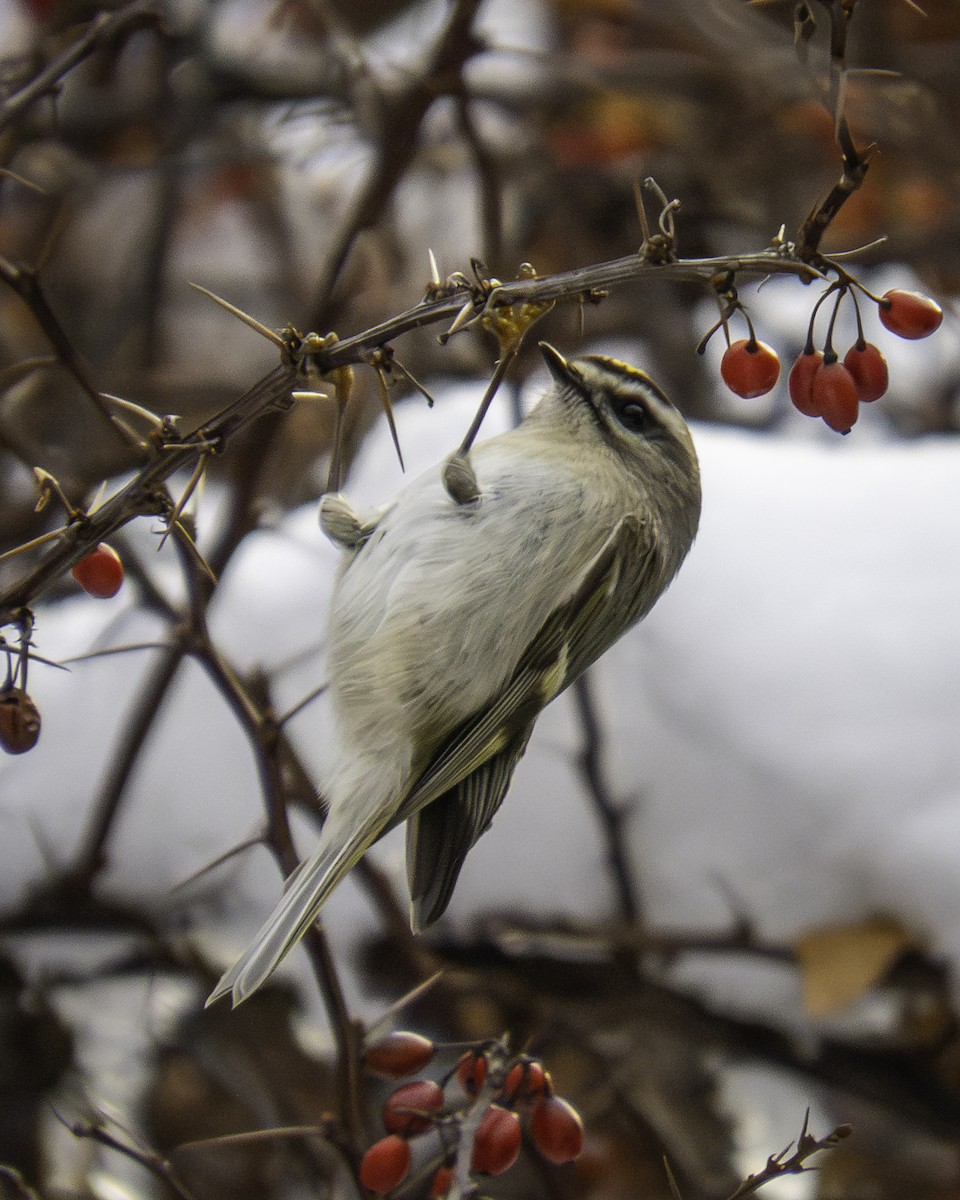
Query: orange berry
{"x": 750, "y": 368}
{"x": 385, "y": 1164}
{"x": 100, "y": 573}
{"x": 472, "y": 1072}
{"x": 397, "y": 1054}
{"x": 834, "y": 394}
{"x": 910, "y": 314}
{"x": 800, "y": 382}
{"x": 525, "y": 1079}
{"x": 557, "y": 1130}
{"x": 869, "y": 370}
{"x": 19, "y": 721}
{"x": 497, "y": 1141}
{"x": 442, "y": 1182}
{"x": 406, "y": 1107}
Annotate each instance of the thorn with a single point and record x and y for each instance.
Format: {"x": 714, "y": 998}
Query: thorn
{"x": 270, "y": 334}
{"x": 460, "y": 321}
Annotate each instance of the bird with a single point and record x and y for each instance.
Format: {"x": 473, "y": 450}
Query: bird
{"x": 464, "y": 606}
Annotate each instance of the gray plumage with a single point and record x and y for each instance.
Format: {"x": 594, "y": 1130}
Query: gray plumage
{"x": 455, "y": 621}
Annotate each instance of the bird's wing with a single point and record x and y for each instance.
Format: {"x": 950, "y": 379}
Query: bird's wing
{"x": 456, "y": 797}
{"x": 441, "y": 834}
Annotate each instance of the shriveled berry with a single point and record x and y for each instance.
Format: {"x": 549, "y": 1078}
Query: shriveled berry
{"x": 750, "y": 368}
{"x": 910, "y": 314}
{"x": 525, "y": 1079}
{"x": 497, "y": 1141}
{"x": 19, "y": 721}
{"x": 442, "y": 1182}
{"x": 800, "y": 382}
{"x": 386, "y": 1164}
{"x": 405, "y": 1107}
{"x": 835, "y": 395}
{"x": 100, "y": 573}
{"x": 398, "y": 1054}
{"x": 869, "y": 370}
{"x": 472, "y": 1072}
{"x": 557, "y": 1130}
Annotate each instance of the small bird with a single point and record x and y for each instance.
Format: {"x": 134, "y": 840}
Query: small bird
{"x": 466, "y": 605}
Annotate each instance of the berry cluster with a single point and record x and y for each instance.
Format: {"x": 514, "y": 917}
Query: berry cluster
{"x": 820, "y": 385}
{"x": 515, "y": 1085}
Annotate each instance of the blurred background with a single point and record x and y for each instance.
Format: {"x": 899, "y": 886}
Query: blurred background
{"x": 745, "y": 901}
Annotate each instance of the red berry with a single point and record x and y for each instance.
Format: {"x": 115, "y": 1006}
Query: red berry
{"x": 557, "y": 1130}
{"x": 403, "y": 1110}
{"x": 398, "y": 1054}
{"x": 750, "y": 368}
{"x": 472, "y": 1072}
{"x": 100, "y": 574}
{"x": 497, "y": 1141}
{"x": 19, "y": 721}
{"x": 910, "y": 314}
{"x": 869, "y": 370}
{"x": 834, "y": 394}
{"x": 442, "y": 1182}
{"x": 385, "y": 1164}
{"x": 800, "y": 382}
{"x": 525, "y": 1079}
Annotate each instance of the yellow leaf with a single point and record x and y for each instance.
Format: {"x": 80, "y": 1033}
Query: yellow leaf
{"x": 841, "y": 963}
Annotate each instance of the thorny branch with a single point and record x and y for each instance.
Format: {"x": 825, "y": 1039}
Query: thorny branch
{"x": 104, "y": 27}
{"x": 854, "y": 162}
{"x": 460, "y": 300}
{"x": 779, "y": 1165}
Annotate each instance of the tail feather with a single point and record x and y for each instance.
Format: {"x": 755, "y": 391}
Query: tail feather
{"x": 296, "y": 911}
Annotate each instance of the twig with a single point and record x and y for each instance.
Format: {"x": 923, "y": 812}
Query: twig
{"x": 103, "y": 27}
{"x": 153, "y": 1162}
{"x": 778, "y": 1165}
{"x": 610, "y": 812}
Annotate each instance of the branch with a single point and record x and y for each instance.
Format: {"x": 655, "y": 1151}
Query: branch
{"x": 101, "y": 29}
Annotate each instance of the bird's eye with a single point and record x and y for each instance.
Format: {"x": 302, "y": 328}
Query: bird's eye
{"x": 632, "y": 416}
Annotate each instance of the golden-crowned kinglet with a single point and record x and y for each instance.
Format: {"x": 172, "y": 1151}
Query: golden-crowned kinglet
{"x": 465, "y": 605}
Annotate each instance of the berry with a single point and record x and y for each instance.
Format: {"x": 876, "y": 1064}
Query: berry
{"x": 750, "y": 368}
{"x": 834, "y": 394}
{"x": 525, "y": 1079}
{"x": 910, "y": 314}
{"x": 385, "y": 1164}
{"x": 19, "y": 721}
{"x": 869, "y": 370}
{"x": 472, "y": 1072}
{"x": 100, "y": 574}
{"x": 800, "y": 382}
{"x": 497, "y": 1141}
{"x": 398, "y": 1054}
{"x": 422, "y": 1096}
{"x": 442, "y": 1182}
{"x": 557, "y": 1130}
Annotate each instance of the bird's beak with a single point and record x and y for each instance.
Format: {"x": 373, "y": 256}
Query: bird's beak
{"x": 560, "y": 369}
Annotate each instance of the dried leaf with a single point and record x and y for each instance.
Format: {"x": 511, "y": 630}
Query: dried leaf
{"x": 841, "y": 963}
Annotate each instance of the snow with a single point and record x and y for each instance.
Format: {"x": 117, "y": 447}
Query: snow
{"x": 784, "y": 721}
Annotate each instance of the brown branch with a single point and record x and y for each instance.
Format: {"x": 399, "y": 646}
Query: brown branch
{"x": 855, "y": 164}
{"x": 150, "y": 1160}
{"x": 144, "y": 495}
{"x": 611, "y": 813}
{"x": 400, "y": 119}
{"x": 778, "y": 1165}
{"x": 101, "y": 29}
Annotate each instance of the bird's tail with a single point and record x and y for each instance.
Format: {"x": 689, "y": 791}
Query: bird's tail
{"x": 307, "y": 890}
